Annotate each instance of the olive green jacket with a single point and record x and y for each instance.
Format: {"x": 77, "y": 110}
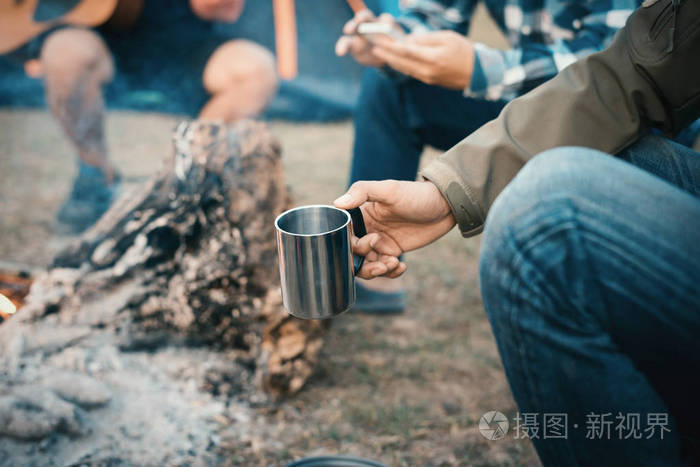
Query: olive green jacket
{"x": 648, "y": 77}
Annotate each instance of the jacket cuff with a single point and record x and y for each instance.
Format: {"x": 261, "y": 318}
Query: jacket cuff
{"x": 467, "y": 212}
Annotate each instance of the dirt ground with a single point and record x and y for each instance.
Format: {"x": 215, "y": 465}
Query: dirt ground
{"x": 406, "y": 390}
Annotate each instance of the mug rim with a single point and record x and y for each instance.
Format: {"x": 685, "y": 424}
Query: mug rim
{"x": 280, "y": 229}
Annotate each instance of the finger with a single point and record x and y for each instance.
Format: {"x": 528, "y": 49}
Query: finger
{"x": 431, "y": 38}
{"x": 358, "y": 45}
{"x": 360, "y": 192}
{"x": 391, "y": 263}
{"x": 343, "y": 46}
{"x": 348, "y": 26}
{"x": 406, "y": 66}
{"x": 363, "y": 246}
{"x": 372, "y": 269}
{"x": 384, "y": 245}
{"x": 371, "y": 257}
{"x": 415, "y": 52}
{"x": 398, "y": 32}
{"x": 363, "y": 16}
{"x": 354, "y": 45}
{"x": 400, "y": 269}
{"x": 379, "y": 265}
{"x": 364, "y": 274}
{"x": 375, "y": 244}
{"x": 386, "y": 18}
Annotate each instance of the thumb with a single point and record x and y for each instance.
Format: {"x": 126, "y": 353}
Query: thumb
{"x": 363, "y": 191}
{"x": 386, "y": 18}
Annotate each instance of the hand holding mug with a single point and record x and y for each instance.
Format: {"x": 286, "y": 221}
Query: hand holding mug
{"x": 399, "y": 217}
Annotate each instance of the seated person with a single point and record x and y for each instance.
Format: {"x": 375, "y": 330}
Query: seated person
{"x": 75, "y": 63}
{"x": 589, "y": 263}
{"x": 439, "y": 86}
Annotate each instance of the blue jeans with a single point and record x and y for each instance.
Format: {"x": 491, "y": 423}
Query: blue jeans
{"x": 590, "y": 271}
{"x": 396, "y": 119}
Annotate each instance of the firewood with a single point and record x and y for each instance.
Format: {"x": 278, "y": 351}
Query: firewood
{"x": 183, "y": 269}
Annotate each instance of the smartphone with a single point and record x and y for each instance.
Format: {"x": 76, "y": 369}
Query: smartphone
{"x": 372, "y": 29}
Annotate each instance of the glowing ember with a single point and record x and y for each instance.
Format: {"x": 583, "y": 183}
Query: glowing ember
{"x": 14, "y": 286}
{"x": 6, "y": 306}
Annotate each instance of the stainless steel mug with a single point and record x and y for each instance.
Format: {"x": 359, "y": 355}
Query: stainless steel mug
{"x": 317, "y": 267}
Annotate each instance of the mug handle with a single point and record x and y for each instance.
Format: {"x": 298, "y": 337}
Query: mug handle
{"x": 358, "y": 227}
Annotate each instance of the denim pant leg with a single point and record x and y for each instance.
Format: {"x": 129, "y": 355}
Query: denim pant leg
{"x": 669, "y": 160}
{"x": 689, "y": 135}
{"x": 589, "y": 275}
{"x": 396, "y": 119}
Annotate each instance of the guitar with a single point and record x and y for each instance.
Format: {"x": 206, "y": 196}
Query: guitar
{"x": 22, "y": 20}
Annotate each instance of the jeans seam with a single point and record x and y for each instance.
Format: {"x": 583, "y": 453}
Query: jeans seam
{"x": 528, "y": 378}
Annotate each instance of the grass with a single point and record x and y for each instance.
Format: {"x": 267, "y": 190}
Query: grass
{"x": 400, "y": 419}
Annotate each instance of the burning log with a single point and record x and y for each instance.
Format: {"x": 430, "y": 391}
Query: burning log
{"x": 184, "y": 268}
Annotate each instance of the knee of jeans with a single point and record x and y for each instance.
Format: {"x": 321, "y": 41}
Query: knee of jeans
{"x": 542, "y": 194}
{"x": 553, "y": 174}
{"x": 378, "y": 92}
{"x": 564, "y": 173}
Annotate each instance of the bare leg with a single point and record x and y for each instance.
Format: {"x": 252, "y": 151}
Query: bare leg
{"x": 75, "y": 64}
{"x": 240, "y": 75}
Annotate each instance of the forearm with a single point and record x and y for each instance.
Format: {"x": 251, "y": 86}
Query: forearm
{"x": 602, "y": 102}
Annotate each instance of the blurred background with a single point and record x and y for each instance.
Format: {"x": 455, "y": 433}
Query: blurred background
{"x": 159, "y": 60}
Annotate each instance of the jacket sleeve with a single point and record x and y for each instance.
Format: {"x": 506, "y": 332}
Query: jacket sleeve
{"x": 649, "y": 76}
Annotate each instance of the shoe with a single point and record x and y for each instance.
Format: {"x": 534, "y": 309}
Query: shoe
{"x": 377, "y": 302}
{"x": 89, "y": 199}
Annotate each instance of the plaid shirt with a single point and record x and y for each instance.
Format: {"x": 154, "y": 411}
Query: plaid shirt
{"x": 545, "y": 36}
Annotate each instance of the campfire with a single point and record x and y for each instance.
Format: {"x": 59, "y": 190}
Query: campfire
{"x": 163, "y": 323}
